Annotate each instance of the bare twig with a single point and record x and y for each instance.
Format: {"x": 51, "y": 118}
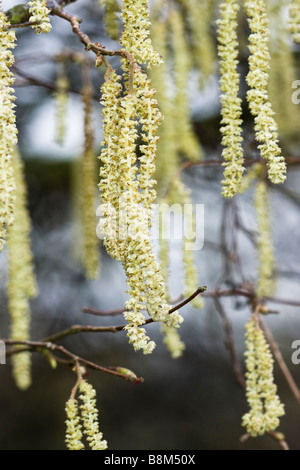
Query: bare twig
{"x": 74, "y": 359}
{"x": 229, "y": 342}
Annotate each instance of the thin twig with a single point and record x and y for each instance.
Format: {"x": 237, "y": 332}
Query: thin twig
{"x": 229, "y": 342}
{"x": 42, "y": 345}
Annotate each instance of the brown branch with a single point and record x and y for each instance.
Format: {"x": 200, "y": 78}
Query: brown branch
{"x": 103, "y": 313}
{"x": 21, "y": 25}
{"x": 97, "y": 48}
{"x": 247, "y": 162}
{"x": 47, "y": 345}
{"x": 250, "y": 295}
{"x": 229, "y": 342}
{"x": 117, "y": 311}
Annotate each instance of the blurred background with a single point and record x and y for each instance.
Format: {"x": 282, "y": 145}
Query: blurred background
{"x": 193, "y": 402}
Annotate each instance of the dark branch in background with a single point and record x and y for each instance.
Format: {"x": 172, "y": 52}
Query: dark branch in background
{"x": 229, "y": 343}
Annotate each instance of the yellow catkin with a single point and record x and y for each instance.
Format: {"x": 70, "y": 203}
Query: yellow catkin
{"x": 265, "y": 284}
{"x": 121, "y": 222}
{"x": 21, "y": 279}
{"x": 39, "y": 15}
{"x": 259, "y": 62}
{"x": 172, "y": 341}
{"x": 90, "y": 245}
{"x": 127, "y": 182}
{"x": 167, "y": 155}
{"x": 179, "y": 192}
{"x": 73, "y": 426}
{"x": 294, "y": 20}
{"x": 8, "y": 130}
{"x": 265, "y": 407}
{"x": 282, "y": 72}
{"x": 200, "y": 15}
{"x": 231, "y": 103}
{"x": 89, "y": 417}
{"x": 61, "y": 101}
{"x": 111, "y": 17}
{"x": 253, "y": 173}
{"x": 164, "y": 242}
{"x": 135, "y": 36}
{"x": 186, "y": 140}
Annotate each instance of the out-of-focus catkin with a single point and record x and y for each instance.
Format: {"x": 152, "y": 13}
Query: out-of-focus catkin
{"x": 266, "y": 283}
{"x": 21, "y": 278}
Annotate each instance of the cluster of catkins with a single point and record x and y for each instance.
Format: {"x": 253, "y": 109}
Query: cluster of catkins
{"x": 15, "y": 225}
{"x": 133, "y": 158}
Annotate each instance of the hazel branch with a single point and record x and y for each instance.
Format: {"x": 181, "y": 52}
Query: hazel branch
{"x": 73, "y": 358}
{"x": 97, "y": 48}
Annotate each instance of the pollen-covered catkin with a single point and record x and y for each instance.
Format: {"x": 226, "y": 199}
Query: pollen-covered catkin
{"x": 135, "y": 36}
{"x": 8, "y": 129}
{"x": 89, "y": 417}
{"x": 261, "y": 391}
{"x": 259, "y": 62}
{"x": 231, "y": 102}
{"x": 73, "y": 426}
{"x": 39, "y": 16}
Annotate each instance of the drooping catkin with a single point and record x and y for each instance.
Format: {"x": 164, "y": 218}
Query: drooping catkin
{"x": 265, "y": 283}
{"x": 111, "y": 18}
{"x": 73, "y": 437}
{"x": 21, "y": 278}
{"x": 179, "y": 192}
{"x": 125, "y": 206}
{"x": 89, "y": 417}
{"x": 61, "y": 101}
{"x": 39, "y": 16}
{"x": 231, "y": 102}
{"x": 294, "y": 20}
{"x": 282, "y": 71}
{"x": 252, "y": 174}
{"x": 265, "y": 407}
{"x": 109, "y": 185}
{"x": 200, "y": 15}
{"x": 257, "y": 78}
{"x": 135, "y": 36}
{"x": 167, "y": 154}
{"x": 127, "y": 180}
{"x": 8, "y": 129}
{"x": 90, "y": 245}
{"x": 172, "y": 341}
{"x": 164, "y": 242}
{"x": 188, "y": 143}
